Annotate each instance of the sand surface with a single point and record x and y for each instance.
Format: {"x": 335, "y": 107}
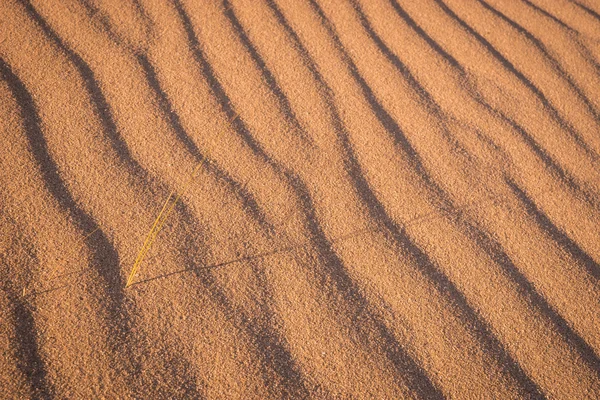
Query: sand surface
{"x": 394, "y": 199}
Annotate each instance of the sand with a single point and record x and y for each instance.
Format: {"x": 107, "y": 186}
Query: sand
{"x": 394, "y": 199}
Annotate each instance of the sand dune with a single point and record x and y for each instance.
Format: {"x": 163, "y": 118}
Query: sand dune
{"x": 394, "y": 199}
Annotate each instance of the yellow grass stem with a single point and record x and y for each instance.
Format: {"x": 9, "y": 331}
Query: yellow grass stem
{"x": 158, "y": 224}
{"x": 148, "y": 240}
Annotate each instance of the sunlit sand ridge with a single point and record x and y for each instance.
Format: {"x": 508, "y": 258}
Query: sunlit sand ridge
{"x": 300, "y": 199}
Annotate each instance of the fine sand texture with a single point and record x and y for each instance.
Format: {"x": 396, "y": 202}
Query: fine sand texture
{"x": 322, "y": 199}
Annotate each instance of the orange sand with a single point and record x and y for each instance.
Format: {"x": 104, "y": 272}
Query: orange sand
{"x": 396, "y": 199}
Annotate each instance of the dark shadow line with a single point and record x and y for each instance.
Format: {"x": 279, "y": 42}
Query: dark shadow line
{"x": 496, "y": 251}
{"x": 440, "y": 281}
{"x": 586, "y": 53}
{"x": 566, "y": 178}
{"x": 567, "y": 127}
{"x": 498, "y": 254}
{"x": 544, "y": 50}
{"x": 284, "y": 361}
{"x": 191, "y": 250}
{"x": 188, "y": 216}
{"x": 184, "y": 375}
{"x": 98, "y": 101}
{"x": 272, "y": 343}
{"x": 403, "y": 242}
{"x": 39, "y": 148}
{"x": 418, "y": 379}
{"x": 247, "y": 199}
{"x": 216, "y": 88}
{"x": 276, "y": 359}
{"x": 555, "y": 168}
{"x": 145, "y": 16}
{"x": 166, "y": 108}
{"x": 105, "y": 257}
{"x": 281, "y": 368}
{"x": 584, "y": 349}
{"x": 95, "y": 14}
{"x": 426, "y": 98}
{"x": 29, "y": 359}
{"x": 297, "y": 44}
{"x": 529, "y": 141}
{"x": 366, "y": 319}
{"x": 549, "y": 15}
{"x": 412, "y": 222}
{"x": 386, "y": 120}
{"x": 587, "y": 10}
{"x": 267, "y": 75}
{"x": 432, "y": 272}
{"x": 248, "y": 202}
{"x": 219, "y": 265}
{"x": 334, "y": 271}
{"x": 560, "y": 237}
{"x": 432, "y": 43}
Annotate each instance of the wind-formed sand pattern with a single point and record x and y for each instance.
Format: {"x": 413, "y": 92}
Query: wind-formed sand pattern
{"x": 366, "y": 199}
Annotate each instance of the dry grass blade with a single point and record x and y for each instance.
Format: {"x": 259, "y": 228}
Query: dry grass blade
{"x": 158, "y": 224}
